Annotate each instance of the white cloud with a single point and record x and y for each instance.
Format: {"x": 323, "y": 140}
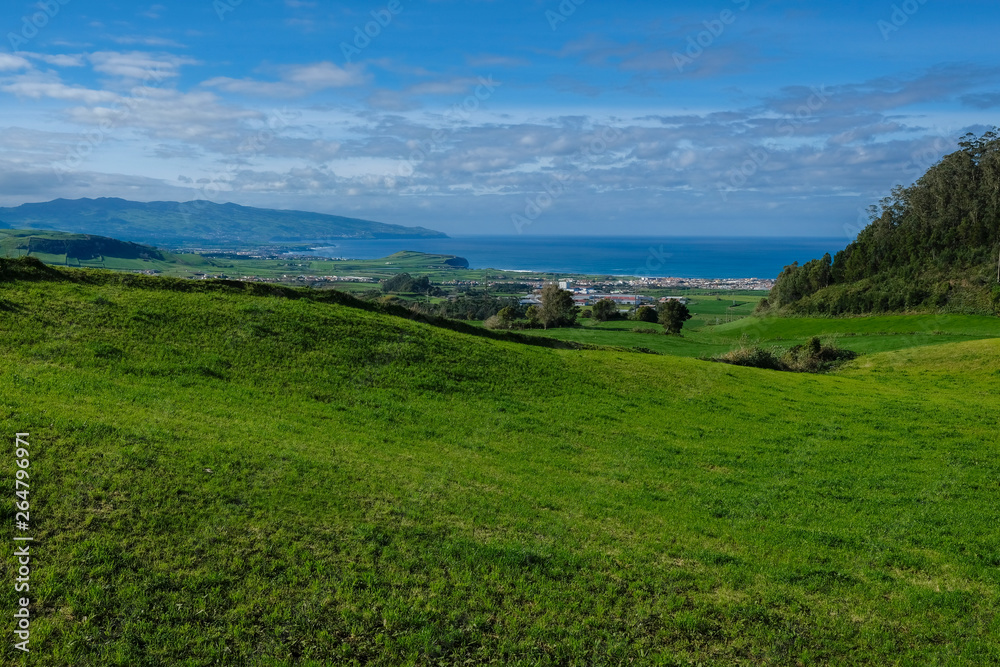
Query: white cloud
{"x": 452, "y": 87}
{"x": 37, "y": 87}
{"x": 325, "y": 75}
{"x": 497, "y": 61}
{"x": 138, "y": 65}
{"x": 146, "y": 40}
{"x": 11, "y": 62}
{"x": 170, "y": 114}
{"x": 296, "y": 81}
{"x": 154, "y": 12}
{"x": 59, "y": 59}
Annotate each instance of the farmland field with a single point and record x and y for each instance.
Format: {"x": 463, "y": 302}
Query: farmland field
{"x": 231, "y": 475}
{"x": 703, "y": 337}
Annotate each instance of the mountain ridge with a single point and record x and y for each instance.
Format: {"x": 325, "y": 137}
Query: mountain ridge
{"x": 198, "y": 221}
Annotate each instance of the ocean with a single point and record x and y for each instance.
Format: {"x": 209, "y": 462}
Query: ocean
{"x": 655, "y": 257}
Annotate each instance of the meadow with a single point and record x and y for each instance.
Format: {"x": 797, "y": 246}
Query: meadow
{"x": 717, "y": 326}
{"x": 231, "y": 474}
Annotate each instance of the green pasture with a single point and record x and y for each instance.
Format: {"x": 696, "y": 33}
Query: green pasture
{"x": 223, "y": 476}
{"x": 702, "y": 337}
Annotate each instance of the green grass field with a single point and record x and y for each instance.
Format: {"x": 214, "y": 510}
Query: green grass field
{"x": 224, "y": 477}
{"x": 702, "y": 337}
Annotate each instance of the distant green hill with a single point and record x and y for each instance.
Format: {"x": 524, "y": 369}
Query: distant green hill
{"x": 933, "y": 245}
{"x": 84, "y": 247}
{"x": 197, "y": 222}
{"x": 93, "y": 251}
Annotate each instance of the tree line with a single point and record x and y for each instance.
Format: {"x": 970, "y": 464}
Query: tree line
{"x": 557, "y": 308}
{"x": 934, "y": 244}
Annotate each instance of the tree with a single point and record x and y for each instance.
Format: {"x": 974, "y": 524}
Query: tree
{"x": 673, "y": 315}
{"x": 534, "y": 314}
{"x": 557, "y": 308}
{"x": 645, "y": 314}
{"x": 943, "y": 227}
{"x": 507, "y": 315}
{"x": 605, "y": 310}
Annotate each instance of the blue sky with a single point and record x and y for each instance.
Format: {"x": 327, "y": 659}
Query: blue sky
{"x": 547, "y": 117}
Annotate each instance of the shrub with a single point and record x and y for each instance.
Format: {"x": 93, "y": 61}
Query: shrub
{"x": 645, "y": 314}
{"x": 813, "y": 357}
{"x": 751, "y": 355}
{"x": 496, "y": 322}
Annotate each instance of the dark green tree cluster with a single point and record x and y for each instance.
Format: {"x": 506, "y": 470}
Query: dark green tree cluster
{"x": 605, "y": 310}
{"x": 933, "y": 244}
{"x": 470, "y": 307}
{"x": 797, "y": 281}
{"x": 645, "y": 314}
{"x": 404, "y": 282}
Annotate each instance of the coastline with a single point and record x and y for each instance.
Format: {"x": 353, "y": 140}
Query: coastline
{"x": 655, "y": 258}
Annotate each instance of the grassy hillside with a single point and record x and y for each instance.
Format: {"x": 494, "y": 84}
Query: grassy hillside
{"x": 709, "y": 333}
{"x": 220, "y": 476}
{"x": 197, "y": 222}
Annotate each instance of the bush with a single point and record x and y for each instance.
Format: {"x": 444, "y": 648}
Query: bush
{"x": 644, "y": 330}
{"x": 605, "y": 310}
{"x": 751, "y": 355}
{"x": 645, "y": 314}
{"x": 495, "y": 322}
{"x": 813, "y": 357}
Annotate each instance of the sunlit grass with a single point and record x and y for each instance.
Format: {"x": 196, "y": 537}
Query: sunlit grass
{"x": 383, "y": 491}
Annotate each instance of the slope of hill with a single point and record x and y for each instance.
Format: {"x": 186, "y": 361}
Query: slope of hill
{"x": 230, "y": 474}
{"x": 933, "y": 245}
{"x": 74, "y": 246}
{"x": 197, "y": 222}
